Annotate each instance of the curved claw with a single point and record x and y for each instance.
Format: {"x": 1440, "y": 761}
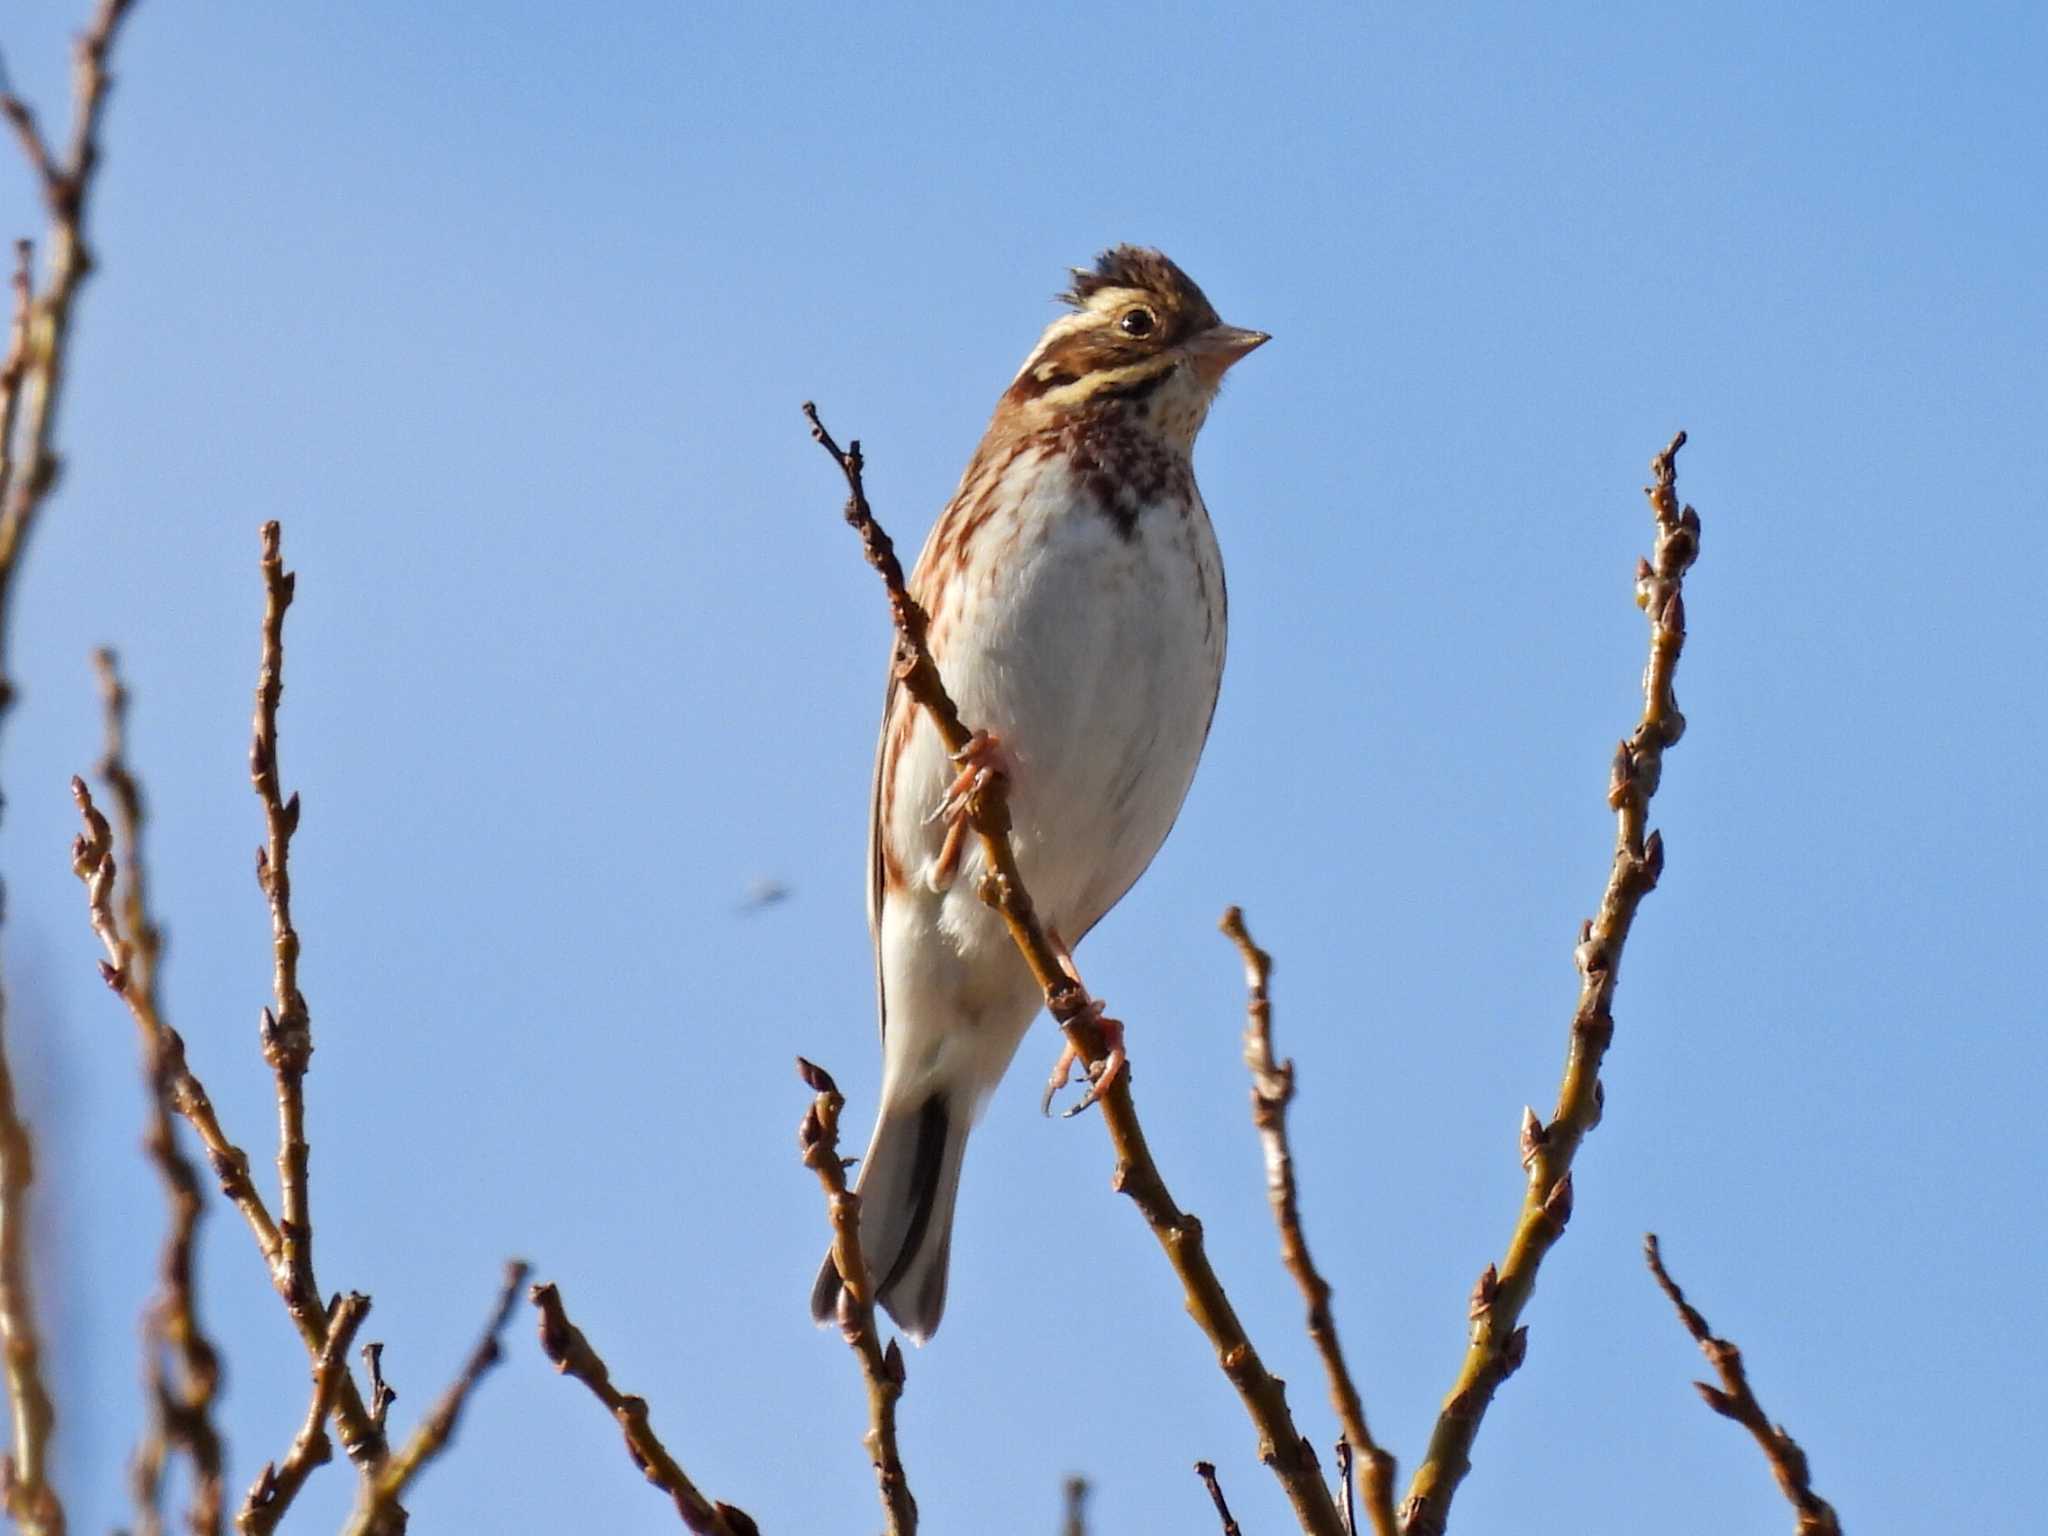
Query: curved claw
{"x": 1100, "y": 1076}
{"x": 982, "y": 761}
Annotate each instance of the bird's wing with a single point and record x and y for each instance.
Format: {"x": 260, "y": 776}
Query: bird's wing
{"x": 875, "y": 847}
{"x": 979, "y": 468}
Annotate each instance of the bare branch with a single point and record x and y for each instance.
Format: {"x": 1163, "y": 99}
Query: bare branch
{"x": 179, "y": 1405}
{"x": 818, "y": 1137}
{"x": 376, "y": 1512}
{"x": 1272, "y": 1093}
{"x": 31, "y": 379}
{"x": 1178, "y": 1232}
{"x": 1206, "y": 1471}
{"x": 1076, "y": 1521}
{"x": 1344, "y": 1485}
{"x": 13, "y": 372}
{"x": 92, "y": 859}
{"x": 287, "y": 1030}
{"x": 564, "y": 1343}
{"x": 1733, "y": 1399}
{"x": 1498, "y": 1341}
{"x": 25, "y": 1490}
{"x": 32, "y": 462}
{"x": 280, "y": 1481}
{"x": 286, "y": 1245}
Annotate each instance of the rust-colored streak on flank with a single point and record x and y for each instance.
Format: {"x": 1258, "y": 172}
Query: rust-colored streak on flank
{"x": 902, "y": 721}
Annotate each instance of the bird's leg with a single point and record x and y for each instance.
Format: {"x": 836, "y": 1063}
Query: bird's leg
{"x": 1112, "y": 1033}
{"x": 981, "y": 762}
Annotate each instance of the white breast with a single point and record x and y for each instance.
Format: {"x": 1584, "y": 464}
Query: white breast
{"x": 1096, "y": 658}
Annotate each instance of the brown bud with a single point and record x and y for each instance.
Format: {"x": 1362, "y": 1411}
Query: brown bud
{"x": 1717, "y": 1400}
{"x": 1534, "y": 1137}
{"x": 1591, "y": 955}
{"x": 1483, "y": 1293}
{"x": 1619, "y": 775}
{"x": 1514, "y": 1352}
{"x": 815, "y": 1077}
{"x": 1557, "y": 1205}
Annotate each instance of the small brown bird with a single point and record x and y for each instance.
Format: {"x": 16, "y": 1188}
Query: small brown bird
{"x": 1077, "y": 616}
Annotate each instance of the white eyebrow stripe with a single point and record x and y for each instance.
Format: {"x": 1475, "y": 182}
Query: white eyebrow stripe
{"x": 1058, "y": 331}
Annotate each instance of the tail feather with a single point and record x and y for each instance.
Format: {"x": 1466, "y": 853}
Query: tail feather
{"x": 908, "y": 1182}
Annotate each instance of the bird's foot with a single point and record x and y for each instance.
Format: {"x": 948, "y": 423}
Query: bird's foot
{"x": 981, "y": 762}
{"x": 1100, "y": 1074}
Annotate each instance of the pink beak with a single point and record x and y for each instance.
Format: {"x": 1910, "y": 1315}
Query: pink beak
{"x": 1222, "y": 345}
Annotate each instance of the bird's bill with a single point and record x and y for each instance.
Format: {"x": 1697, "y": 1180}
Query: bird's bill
{"x": 1221, "y": 345}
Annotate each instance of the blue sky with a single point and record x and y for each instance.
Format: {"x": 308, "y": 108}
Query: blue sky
{"x": 507, "y": 312}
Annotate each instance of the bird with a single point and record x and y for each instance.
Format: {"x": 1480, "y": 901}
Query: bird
{"x": 1077, "y": 614}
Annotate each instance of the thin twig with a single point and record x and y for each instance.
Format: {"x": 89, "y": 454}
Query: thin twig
{"x": 25, "y": 1491}
{"x": 179, "y": 1406}
{"x": 1733, "y": 1399}
{"x": 376, "y": 1512}
{"x": 288, "y": 1264}
{"x": 1498, "y": 1341}
{"x": 1076, "y": 1521}
{"x": 31, "y": 380}
{"x": 882, "y": 1369}
{"x": 1272, "y": 1093}
{"x": 1179, "y": 1233}
{"x": 13, "y": 373}
{"x": 287, "y": 1030}
{"x": 32, "y": 462}
{"x": 1344, "y": 1486}
{"x": 564, "y": 1343}
{"x": 1206, "y": 1471}
{"x": 92, "y": 860}
{"x": 280, "y": 1481}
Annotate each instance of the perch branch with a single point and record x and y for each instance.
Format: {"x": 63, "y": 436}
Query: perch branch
{"x": 1179, "y": 1233}
{"x": 1498, "y": 1341}
{"x": 179, "y": 1407}
{"x": 1733, "y": 1399}
{"x": 377, "y": 1511}
{"x": 882, "y": 1369}
{"x": 280, "y": 1481}
{"x": 1272, "y": 1093}
{"x": 563, "y": 1343}
{"x": 31, "y": 380}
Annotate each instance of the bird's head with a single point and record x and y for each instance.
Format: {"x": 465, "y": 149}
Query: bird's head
{"x": 1141, "y": 337}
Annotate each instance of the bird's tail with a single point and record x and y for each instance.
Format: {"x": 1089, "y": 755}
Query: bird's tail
{"x": 908, "y": 1182}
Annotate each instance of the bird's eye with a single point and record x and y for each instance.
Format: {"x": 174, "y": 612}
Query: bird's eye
{"x": 1137, "y": 322}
